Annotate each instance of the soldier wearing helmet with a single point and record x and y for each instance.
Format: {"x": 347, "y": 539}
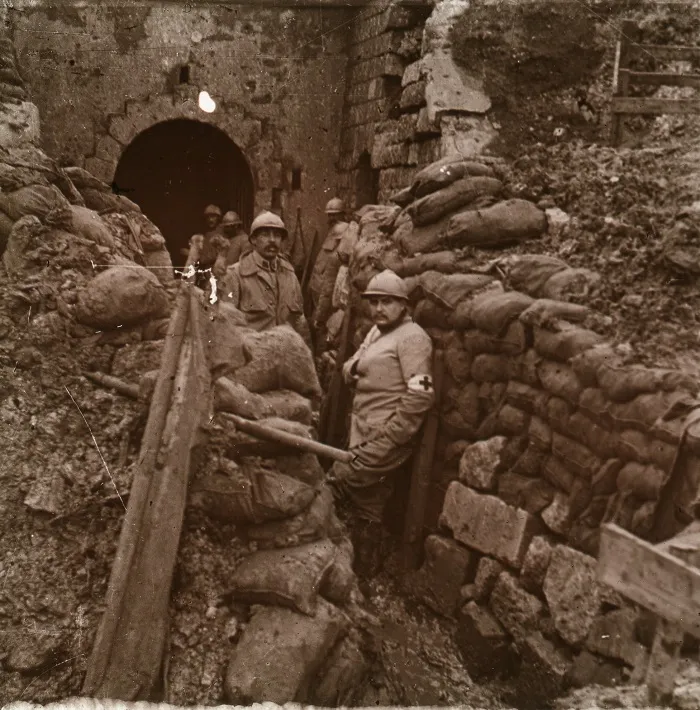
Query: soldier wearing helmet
{"x": 392, "y": 377}
{"x": 210, "y": 243}
{"x": 232, "y": 228}
{"x": 262, "y": 284}
{"x": 334, "y": 252}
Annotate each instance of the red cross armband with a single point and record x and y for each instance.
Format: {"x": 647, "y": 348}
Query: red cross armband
{"x": 420, "y": 383}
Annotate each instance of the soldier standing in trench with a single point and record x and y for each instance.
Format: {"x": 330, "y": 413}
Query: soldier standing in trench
{"x": 392, "y": 377}
{"x": 262, "y": 284}
{"x": 326, "y": 268}
{"x": 210, "y": 244}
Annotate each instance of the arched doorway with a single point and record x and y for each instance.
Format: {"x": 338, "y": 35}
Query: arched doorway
{"x": 174, "y": 169}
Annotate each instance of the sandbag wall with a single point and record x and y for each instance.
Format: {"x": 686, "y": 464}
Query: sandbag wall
{"x": 546, "y": 432}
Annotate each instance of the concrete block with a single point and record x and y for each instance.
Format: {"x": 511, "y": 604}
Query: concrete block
{"x": 487, "y": 573}
{"x": 544, "y": 669}
{"x": 488, "y": 524}
{"x": 572, "y": 592}
{"x": 536, "y": 563}
{"x": 484, "y": 644}
{"x": 477, "y": 467}
{"x": 613, "y": 635}
{"x": 515, "y": 608}
{"x": 448, "y": 565}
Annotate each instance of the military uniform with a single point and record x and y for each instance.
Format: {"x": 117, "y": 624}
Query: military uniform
{"x": 267, "y": 292}
{"x": 394, "y": 391}
{"x": 238, "y": 247}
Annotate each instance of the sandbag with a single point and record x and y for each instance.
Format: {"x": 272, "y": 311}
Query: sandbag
{"x": 430, "y": 314}
{"x": 237, "y": 399}
{"x": 587, "y": 364}
{"x": 445, "y": 262}
{"x": 433, "y": 207}
{"x": 340, "y": 681}
{"x": 559, "y": 379}
{"x": 317, "y": 522}
{"x": 644, "y": 482}
{"x": 121, "y": 296}
{"x": 443, "y": 172}
{"x": 449, "y": 290}
{"x": 277, "y": 358}
{"x": 303, "y": 466}
{"x": 225, "y": 330}
{"x": 570, "y": 283}
{"x": 414, "y": 239}
{"x": 25, "y": 235}
{"x": 338, "y": 584}
{"x": 504, "y": 223}
{"x": 250, "y": 494}
{"x": 544, "y": 312}
{"x": 280, "y": 653}
{"x": 621, "y": 384}
{"x": 36, "y": 200}
{"x": 290, "y": 577}
{"x": 530, "y": 272}
{"x": 490, "y": 368}
{"x": 81, "y": 178}
{"x": 89, "y": 225}
{"x": 160, "y": 264}
{"x": 102, "y": 201}
{"x": 565, "y": 344}
{"x": 578, "y": 458}
{"x": 383, "y": 216}
{"x": 402, "y": 197}
{"x": 493, "y": 312}
{"x": 289, "y": 405}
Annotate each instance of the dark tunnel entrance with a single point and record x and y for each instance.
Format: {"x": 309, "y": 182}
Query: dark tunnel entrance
{"x": 174, "y": 169}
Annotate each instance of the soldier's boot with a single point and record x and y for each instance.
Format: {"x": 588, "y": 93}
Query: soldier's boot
{"x": 367, "y": 541}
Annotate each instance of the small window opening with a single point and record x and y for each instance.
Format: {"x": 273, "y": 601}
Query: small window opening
{"x": 184, "y": 77}
{"x": 296, "y": 179}
{"x": 276, "y": 198}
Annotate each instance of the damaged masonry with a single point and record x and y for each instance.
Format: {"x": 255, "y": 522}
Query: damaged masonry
{"x": 176, "y": 527}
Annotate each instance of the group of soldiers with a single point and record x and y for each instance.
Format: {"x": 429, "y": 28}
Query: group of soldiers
{"x": 390, "y": 374}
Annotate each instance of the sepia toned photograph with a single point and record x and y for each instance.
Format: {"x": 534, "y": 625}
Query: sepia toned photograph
{"x": 349, "y": 354}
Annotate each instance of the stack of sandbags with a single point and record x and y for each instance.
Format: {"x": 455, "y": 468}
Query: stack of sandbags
{"x": 457, "y": 203}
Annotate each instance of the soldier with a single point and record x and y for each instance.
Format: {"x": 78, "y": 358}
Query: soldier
{"x": 232, "y": 227}
{"x": 263, "y": 284}
{"x": 210, "y": 244}
{"x": 392, "y": 376}
{"x": 333, "y": 252}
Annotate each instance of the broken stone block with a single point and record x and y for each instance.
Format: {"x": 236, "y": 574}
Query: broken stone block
{"x": 488, "y": 524}
{"x": 613, "y": 635}
{"x": 572, "y": 593}
{"x": 536, "y": 563}
{"x": 589, "y": 669}
{"x": 557, "y": 515}
{"x": 484, "y": 643}
{"x": 515, "y": 608}
{"x": 487, "y": 574}
{"x": 447, "y": 567}
{"x": 531, "y": 494}
{"x": 544, "y": 669}
{"x": 477, "y": 467}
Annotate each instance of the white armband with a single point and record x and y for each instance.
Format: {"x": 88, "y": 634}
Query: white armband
{"x": 420, "y": 383}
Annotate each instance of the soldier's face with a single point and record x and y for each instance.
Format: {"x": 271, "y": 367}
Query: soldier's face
{"x": 211, "y": 220}
{"x": 386, "y": 311}
{"x": 267, "y": 242}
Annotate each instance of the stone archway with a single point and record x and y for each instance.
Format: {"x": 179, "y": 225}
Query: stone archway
{"x": 174, "y": 168}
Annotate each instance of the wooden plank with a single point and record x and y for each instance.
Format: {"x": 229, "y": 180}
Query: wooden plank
{"x": 636, "y": 105}
{"x": 628, "y": 33}
{"x": 662, "y": 52}
{"x": 640, "y": 78}
{"x": 651, "y": 577}
{"x": 421, "y": 474}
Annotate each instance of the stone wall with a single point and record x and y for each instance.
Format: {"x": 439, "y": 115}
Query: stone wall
{"x": 407, "y": 103}
{"x": 100, "y": 76}
{"x": 546, "y": 432}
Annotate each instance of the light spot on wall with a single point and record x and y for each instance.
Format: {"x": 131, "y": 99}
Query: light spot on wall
{"x": 206, "y": 103}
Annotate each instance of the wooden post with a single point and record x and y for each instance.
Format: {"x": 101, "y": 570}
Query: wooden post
{"x": 628, "y": 35}
{"x": 421, "y": 474}
{"x": 126, "y": 659}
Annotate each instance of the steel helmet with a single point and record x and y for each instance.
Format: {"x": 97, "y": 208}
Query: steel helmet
{"x": 267, "y": 219}
{"x": 335, "y": 206}
{"x": 387, "y": 283}
{"x": 231, "y": 219}
{"x": 212, "y": 209}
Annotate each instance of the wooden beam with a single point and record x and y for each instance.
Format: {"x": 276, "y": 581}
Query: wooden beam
{"x": 664, "y": 52}
{"x": 636, "y": 105}
{"x": 651, "y": 577}
{"x": 640, "y": 78}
